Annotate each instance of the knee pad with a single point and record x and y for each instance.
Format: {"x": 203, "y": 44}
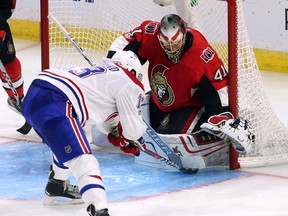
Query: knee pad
{"x": 82, "y": 165}
{"x": 86, "y": 169}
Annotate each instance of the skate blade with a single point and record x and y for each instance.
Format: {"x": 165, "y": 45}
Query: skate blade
{"x": 57, "y": 201}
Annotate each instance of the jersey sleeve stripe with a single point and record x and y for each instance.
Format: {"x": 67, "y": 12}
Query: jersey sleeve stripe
{"x": 77, "y": 132}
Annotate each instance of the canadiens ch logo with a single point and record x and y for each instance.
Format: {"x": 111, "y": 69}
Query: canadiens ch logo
{"x": 161, "y": 87}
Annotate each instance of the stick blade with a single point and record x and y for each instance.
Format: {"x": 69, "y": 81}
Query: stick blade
{"x": 25, "y": 129}
{"x": 189, "y": 170}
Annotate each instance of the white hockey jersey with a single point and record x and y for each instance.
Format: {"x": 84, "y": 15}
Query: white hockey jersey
{"x": 104, "y": 95}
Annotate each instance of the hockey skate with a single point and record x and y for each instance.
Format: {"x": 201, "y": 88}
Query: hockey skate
{"x": 12, "y": 104}
{"x": 61, "y": 192}
{"x": 92, "y": 211}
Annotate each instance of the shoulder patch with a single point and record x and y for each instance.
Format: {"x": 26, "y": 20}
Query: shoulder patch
{"x": 207, "y": 54}
{"x": 151, "y": 28}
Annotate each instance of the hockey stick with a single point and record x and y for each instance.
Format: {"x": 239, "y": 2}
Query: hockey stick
{"x": 169, "y": 162}
{"x": 71, "y": 39}
{"x": 10, "y": 84}
{"x": 174, "y": 160}
{"x": 26, "y": 127}
{"x": 162, "y": 145}
{"x": 166, "y": 161}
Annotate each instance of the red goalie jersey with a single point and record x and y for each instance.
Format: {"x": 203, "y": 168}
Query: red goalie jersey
{"x": 196, "y": 78}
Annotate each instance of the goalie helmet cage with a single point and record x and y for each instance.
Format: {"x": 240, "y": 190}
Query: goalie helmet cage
{"x": 96, "y": 24}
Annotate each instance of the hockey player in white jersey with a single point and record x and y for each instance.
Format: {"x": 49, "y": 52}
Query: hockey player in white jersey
{"x": 59, "y": 103}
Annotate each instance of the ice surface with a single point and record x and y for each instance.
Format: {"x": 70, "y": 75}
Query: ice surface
{"x": 134, "y": 190}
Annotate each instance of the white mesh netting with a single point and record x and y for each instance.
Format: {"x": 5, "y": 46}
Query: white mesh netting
{"x": 95, "y": 25}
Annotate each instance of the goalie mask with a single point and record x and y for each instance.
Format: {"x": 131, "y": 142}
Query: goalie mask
{"x": 172, "y": 36}
{"x": 129, "y": 61}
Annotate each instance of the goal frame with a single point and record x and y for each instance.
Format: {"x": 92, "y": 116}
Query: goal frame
{"x": 44, "y": 34}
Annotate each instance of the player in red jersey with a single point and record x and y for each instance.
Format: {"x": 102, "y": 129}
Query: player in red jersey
{"x": 189, "y": 83}
{"x": 186, "y": 76}
{"x": 8, "y": 57}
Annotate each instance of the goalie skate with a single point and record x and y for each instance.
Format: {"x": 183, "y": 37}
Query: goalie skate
{"x": 61, "y": 192}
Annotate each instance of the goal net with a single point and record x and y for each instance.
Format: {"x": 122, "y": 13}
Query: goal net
{"x": 94, "y": 25}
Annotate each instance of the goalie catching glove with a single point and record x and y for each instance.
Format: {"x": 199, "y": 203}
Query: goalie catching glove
{"x": 238, "y": 130}
{"x": 117, "y": 139}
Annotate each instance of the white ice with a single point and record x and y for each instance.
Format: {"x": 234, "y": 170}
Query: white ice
{"x": 263, "y": 192}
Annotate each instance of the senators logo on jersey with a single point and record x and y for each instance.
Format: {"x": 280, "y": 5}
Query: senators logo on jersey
{"x": 160, "y": 86}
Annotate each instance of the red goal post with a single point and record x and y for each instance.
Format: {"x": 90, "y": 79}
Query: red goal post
{"x": 95, "y": 24}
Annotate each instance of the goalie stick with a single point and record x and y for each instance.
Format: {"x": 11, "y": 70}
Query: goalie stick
{"x": 26, "y": 127}
{"x": 174, "y": 160}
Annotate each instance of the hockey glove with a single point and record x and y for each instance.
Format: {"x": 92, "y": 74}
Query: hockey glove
{"x": 193, "y": 3}
{"x": 216, "y": 123}
{"x": 239, "y": 130}
{"x": 128, "y": 146}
